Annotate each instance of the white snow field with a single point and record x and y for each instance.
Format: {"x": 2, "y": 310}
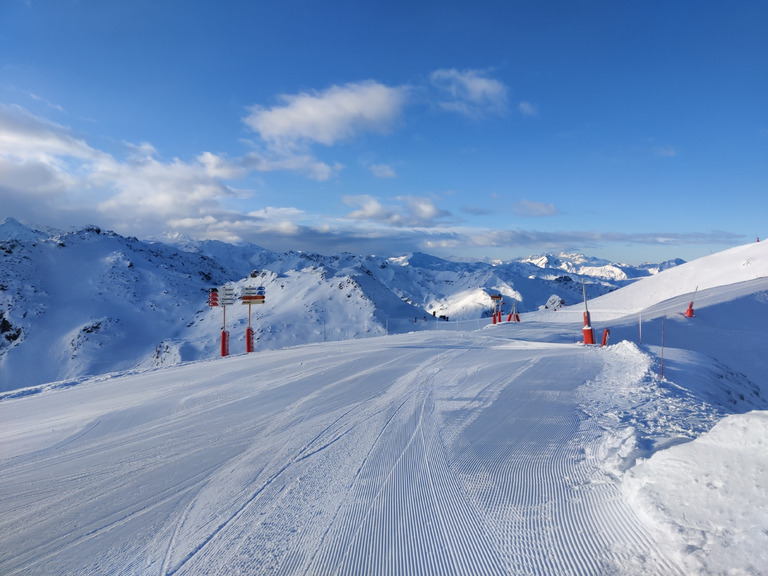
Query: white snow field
{"x": 505, "y": 450}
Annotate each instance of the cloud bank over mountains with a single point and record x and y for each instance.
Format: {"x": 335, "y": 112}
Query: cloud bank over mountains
{"x": 51, "y": 173}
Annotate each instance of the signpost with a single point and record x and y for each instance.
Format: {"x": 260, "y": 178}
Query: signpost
{"x": 496, "y": 307}
{"x": 252, "y": 296}
{"x": 225, "y": 296}
{"x": 213, "y": 297}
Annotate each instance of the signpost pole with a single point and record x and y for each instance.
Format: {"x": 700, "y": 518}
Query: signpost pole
{"x": 227, "y": 299}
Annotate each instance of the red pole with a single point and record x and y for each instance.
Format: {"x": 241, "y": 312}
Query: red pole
{"x": 589, "y": 334}
{"x": 224, "y": 343}
{"x": 689, "y": 311}
{"x": 224, "y": 333}
{"x": 249, "y": 339}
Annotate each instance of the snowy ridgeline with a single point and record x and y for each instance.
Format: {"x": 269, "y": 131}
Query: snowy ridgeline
{"x": 91, "y": 301}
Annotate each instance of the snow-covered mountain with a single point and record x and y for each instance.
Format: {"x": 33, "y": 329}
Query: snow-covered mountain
{"x": 499, "y": 449}
{"x": 92, "y": 301}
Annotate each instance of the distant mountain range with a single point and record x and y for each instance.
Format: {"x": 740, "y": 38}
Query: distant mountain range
{"x": 91, "y": 301}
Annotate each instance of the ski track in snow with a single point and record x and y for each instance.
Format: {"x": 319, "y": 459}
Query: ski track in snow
{"x": 436, "y": 453}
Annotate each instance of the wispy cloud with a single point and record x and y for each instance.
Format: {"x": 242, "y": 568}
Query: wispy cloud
{"x": 288, "y": 131}
{"x": 529, "y": 208}
{"x": 470, "y": 92}
{"x": 327, "y": 117}
{"x": 45, "y": 101}
{"x": 24, "y": 135}
{"x": 527, "y": 109}
{"x": 406, "y": 211}
{"x": 382, "y": 171}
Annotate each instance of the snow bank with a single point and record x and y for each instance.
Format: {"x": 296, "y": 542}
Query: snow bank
{"x": 639, "y": 412}
{"x": 708, "y": 499}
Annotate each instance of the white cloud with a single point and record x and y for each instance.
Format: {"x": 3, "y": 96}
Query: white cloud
{"x": 527, "y": 109}
{"x": 154, "y": 189}
{"x": 423, "y": 209}
{"x": 470, "y": 92}
{"x": 327, "y": 117}
{"x": 45, "y": 170}
{"x": 143, "y": 150}
{"x": 303, "y": 163}
{"x": 382, "y": 171}
{"x": 407, "y": 211}
{"x": 219, "y": 167}
{"x": 25, "y": 136}
{"x": 369, "y": 208}
{"x": 536, "y": 209}
{"x": 288, "y": 130}
{"x": 45, "y": 101}
{"x": 49, "y": 175}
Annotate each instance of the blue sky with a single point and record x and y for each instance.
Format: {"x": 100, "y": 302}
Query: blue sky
{"x": 634, "y": 131}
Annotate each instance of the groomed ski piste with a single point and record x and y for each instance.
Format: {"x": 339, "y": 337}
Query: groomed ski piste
{"x": 511, "y": 449}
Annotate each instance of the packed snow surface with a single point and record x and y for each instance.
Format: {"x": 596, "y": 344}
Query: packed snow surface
{"x": 509, "y": 449}
{"x": 427, "y": 454}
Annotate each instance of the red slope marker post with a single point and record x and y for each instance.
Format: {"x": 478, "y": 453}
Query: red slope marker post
{"x": 689, "y": 312}
{"x": 589, "y": 334}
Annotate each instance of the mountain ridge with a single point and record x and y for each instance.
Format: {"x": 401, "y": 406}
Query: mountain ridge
{"x": 90, "y": 300}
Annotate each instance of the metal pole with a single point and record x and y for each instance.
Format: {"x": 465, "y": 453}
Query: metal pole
{"x": 662, "y": 347}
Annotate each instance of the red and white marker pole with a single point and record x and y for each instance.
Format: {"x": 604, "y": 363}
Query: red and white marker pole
{"x": 689, "y": 312}
{"x": 589, "y": 334}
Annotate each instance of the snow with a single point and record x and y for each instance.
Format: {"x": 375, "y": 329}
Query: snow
{"x": 471, "y": 449}
{"x": 708, "y": 499}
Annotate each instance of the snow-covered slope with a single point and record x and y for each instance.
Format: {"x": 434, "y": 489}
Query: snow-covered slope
{"x": 503, "y": 450}
{"x": 740, "y": 264}
{"x": 729, "y": 291}
{"x": 91, "y": 301}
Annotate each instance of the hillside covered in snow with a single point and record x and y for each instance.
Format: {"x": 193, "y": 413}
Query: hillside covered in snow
{"x": 91, "y": 301}
{"x": 491, "y": 449}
